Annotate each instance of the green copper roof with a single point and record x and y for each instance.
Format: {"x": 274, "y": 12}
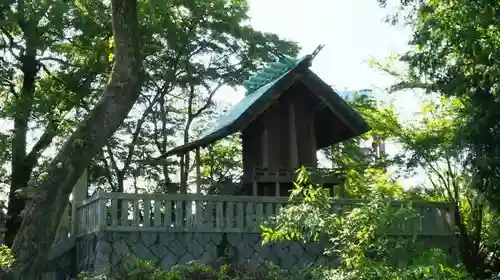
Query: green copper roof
{"x": 273, "y": 76}
{"x": 267, "y": 85}
{"x": 256, "y": 87}
{"x": 270, "y": 73}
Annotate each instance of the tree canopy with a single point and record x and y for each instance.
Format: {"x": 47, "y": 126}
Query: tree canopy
{"x": 454, "y": 53}
{"x": 106, "y": 86}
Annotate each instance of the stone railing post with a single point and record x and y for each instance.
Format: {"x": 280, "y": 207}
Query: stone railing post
{"x": 79, "y": 194}
{"x": 64, "y": 226}
{"x": 101, "y": 210}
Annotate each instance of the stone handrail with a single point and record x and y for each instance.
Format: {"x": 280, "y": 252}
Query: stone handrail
{"x": 220, "y": 213}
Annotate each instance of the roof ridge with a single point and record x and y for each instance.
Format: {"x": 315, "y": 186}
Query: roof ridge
{"x": 269, "y": 73}
{"x": 275, "y": 70}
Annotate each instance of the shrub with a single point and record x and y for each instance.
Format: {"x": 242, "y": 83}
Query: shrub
{"x": 6, "y": 258}
{"x": 136, "y": 269}
{"x": 359, "y": 238}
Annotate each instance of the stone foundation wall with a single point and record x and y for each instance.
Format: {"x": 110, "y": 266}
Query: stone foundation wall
{"x": 100, "y": 251}
{"x": 86, "y": 252}
{"x": 63, "y": 265}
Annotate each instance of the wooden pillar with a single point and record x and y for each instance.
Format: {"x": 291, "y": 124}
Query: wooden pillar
{"x": 182, "y": 178}
{"x": 294, "y": 161}
{"x": 79, "y": 194}
{"x": 265, "y": 148}
{"x": 198, "y": 171}
{"x": 313, "y": 140}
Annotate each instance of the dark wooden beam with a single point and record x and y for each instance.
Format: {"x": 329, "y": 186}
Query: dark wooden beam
{"x": 320, "y": 106}
{"x": 320, "y": 90}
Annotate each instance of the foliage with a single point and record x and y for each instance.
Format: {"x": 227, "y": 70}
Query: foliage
{"x": 375, "y": 271}
{"x": 6, "y": 258}
{"x": 221, "y": 165}
{"x": 56, "y": 57}
{"x": 455, "y": 53}
{"x": 454, "y": 56}
{"x": 213, "y": 48}
{"x": 429, "y": 144}
{"x": 135, "y": 269}
{"x": 360, "y": 238}
{"x": 366, "y": 171}
{"x": 50, "y": 56}
{"x": 39, "y": 225}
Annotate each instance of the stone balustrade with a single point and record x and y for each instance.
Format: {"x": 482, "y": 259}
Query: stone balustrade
{"x": 220, "y": 213}
{"x": 175, "y": 229}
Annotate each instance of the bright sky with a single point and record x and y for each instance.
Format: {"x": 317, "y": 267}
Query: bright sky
{"x": 353, "y": 32}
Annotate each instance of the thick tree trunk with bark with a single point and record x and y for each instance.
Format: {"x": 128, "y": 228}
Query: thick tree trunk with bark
{"x": 38, "y": 228}
{"x": 21, "y": 164}
{"x": 19, "y": 180}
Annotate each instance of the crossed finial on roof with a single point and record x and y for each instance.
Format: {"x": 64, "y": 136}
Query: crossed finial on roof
{"x": 317, "y": 50}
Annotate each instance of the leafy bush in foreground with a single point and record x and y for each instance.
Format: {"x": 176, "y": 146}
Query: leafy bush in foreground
{"x": 360, "y": 238}
{"x": 6, "y": 258}
{"x": 135, "y": 269}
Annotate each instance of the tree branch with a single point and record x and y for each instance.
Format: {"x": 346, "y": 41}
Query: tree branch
{"x": 108, "y": 175}
{"x": 59, "y": 60}
{"x": 112, "y": 159}
{"x": 12, "y": 43}
{"x": 156, "y": 136}
{"x": 208, "y": 102}
{"x": 441, "y": 179}
{"x": 411, "y": 85}
{"x": 43, "y": 142}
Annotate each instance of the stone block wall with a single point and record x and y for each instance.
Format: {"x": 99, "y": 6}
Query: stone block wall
{"x": 63, "y": 266}
{"x": 99, "y": 251}
{"x": 86, "y": 248}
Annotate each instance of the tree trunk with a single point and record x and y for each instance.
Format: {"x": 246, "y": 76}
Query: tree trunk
{"x": 185, "y": 162}
{"x": 162, "y": 147}
{"x": 19, "y": 180}
{"x": 21, "y": 166}
{"x": 38, "y": 228}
